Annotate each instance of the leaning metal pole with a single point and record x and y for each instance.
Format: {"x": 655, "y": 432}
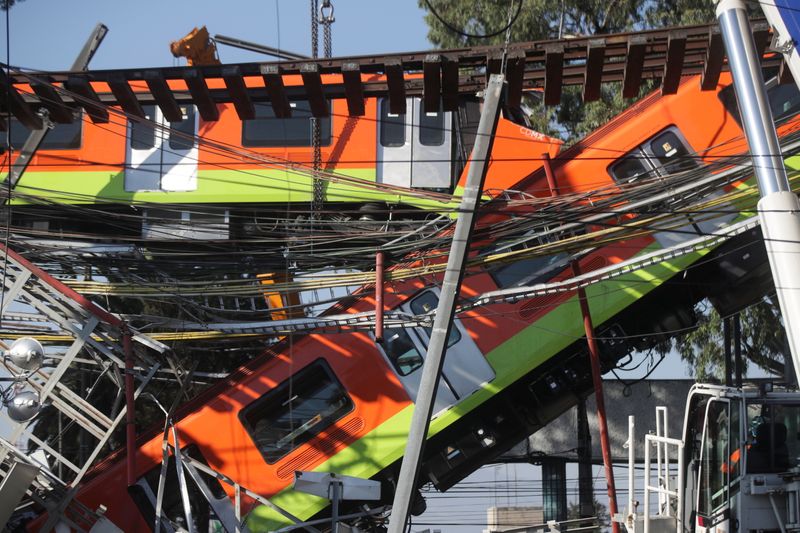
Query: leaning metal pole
{"x": 778, "y": 209}
{"x": 451, "y": 286}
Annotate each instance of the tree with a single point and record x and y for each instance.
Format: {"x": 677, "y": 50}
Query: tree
{"x": 764, "y": 341}
{"x": 6, "y": 4}
{"x": 540, "y": 19}
{"x": 600, "y": 512}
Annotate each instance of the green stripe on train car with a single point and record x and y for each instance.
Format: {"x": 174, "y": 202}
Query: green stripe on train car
{"x": 213, "y": 186}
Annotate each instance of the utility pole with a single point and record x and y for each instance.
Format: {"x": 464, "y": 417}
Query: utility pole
{"x": 778, "y": 209}
{"x": 443, "y": 321}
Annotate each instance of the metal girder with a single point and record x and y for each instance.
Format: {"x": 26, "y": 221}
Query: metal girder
{"x": 595, "y": 58}
{"x": 276, "y": 90}
{"x": 201, "y": 95}
{"x": 312, "y": 81}
{"x": 715, "y": 57}
{"x": 162, "y": 95}
{"x": 237, "y": 89}
{"x": 554, "y": 73}
{"x": 15, "y": 103}
{"x": 396, "y": 87}
{"x": 431, "y": 82}
{"x": 88, "y": 98}
{"x": 125, "y": 96}
{"x": 634, "y": 65}
{"x": 50, "y": 100}
{"x": 676, "y": 51}
{"x": 588, "y": 61}
{"x": 515, "y": 75}
{"x": 354, "y": 93}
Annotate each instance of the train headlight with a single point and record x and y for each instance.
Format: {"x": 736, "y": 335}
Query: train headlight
{"x": 486, "y": 439}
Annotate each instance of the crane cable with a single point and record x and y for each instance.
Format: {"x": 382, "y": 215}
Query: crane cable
{"x": 320, "y": 14}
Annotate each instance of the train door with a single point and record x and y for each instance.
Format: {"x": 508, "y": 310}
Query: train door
{"x": 465, "y": 368}
{"x": 414, "y": 149}
{"x": 162, "y": 155}
{"x": 430, "y": 148}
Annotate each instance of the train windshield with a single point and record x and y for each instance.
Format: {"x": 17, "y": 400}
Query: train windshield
{"x": 784, "y": 101}
{"x": 296, "y": 411}
{"x": 662, "y": 155}
{"x": 773, "y": 437}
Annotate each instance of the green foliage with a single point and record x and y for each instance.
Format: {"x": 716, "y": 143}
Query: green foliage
{"x": 764, "y": 341}
{"x": 540, "y": 20}
{"x": 5, "y": 4}
{"x": 600, "y": 512}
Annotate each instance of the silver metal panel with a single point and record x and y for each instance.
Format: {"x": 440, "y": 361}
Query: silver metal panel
{"x": 465, "y": 367}
{"x": 179, "y": 165}
{"x": 13, "y": 488}
{"x": 143, "y": 166}
{"x": 161, "y": 167}
{"x": 394, "y": 162}
{"x": 444, "y": 396}
{"x": 158, "y": 226}
{"x": 353, "y": 488}
{"x": 430, "y": 164}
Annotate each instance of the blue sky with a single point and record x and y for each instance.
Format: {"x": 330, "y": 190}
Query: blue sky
{"x": 47, "y": 34}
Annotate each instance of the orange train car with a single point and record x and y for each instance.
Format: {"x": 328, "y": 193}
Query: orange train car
{"x": 234, "y": 171}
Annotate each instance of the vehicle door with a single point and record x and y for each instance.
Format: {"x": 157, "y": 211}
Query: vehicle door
{"x": 465, "y": 368}
{"x": 719, "y": 466}
{"x": 162, "y": 155}
{"x": 431, "y": 148}
{"x": 415, "y": 148}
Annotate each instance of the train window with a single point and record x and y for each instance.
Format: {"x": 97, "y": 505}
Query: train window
{"x": 401, "y": 351}
{"x": 671, "y": 153}
{"x": 267, "y": 130}
{"x": 181, "y": 134}
{"x": 296, "y": 411}
{"x": 145, "y": 491}
{"x": 628, "y": 169}
{"x": 431, "y": 127}
{"x": 392, "y": 127}
{"x": 784, "y": 100}
{"x": 662, "y": 154}
{"x": 529, "y": 271}
{"x": 61, "y": 137}
{"x": 427, "y": 302}
{"x": 143, "y": 132}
